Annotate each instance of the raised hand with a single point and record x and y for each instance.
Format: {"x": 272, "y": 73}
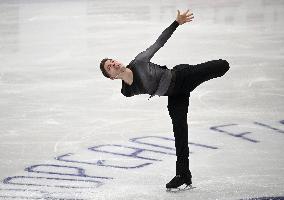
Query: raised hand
{"x": 185, "y": 17}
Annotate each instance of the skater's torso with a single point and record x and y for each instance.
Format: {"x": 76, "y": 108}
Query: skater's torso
{"x": 147, "y": 77}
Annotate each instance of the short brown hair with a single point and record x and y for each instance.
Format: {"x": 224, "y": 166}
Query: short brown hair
{"x": 102, "y": 64}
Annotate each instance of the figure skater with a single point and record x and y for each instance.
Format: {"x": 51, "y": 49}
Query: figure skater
{"x": 141, "y": 76}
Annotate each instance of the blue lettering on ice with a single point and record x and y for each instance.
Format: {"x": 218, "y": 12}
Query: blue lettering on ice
{"x": 238, "y": 135}
{"x": 109, "y": 149}
{"x": 133, "y": 155}
{"x": 270, "y": 127}
{"x": 99, "y": 162}
{"x": 140, "y": 139}
{"x": 9, "y": 180}
{"x": 43, "y": 194}
{"x": 80, "y": 171}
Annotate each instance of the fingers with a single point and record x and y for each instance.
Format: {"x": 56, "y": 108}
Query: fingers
{"x": 178, "y": 12}
{"x": 186, "y": 13}
{"x": 184, "y": 17}
{"x": 188, "y": 20}
{"x": 190, "y": 17}
{"x": 190, "y": 14}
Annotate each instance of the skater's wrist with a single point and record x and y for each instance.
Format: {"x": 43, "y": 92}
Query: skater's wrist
{"x": 176, "y": 23}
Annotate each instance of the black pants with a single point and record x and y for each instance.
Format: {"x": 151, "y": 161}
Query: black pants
{"x": 188, "y": 77}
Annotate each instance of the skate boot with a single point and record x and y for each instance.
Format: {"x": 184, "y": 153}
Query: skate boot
{"x": 179, "y": 180}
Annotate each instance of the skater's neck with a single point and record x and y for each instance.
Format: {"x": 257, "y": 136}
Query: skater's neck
{"x": 127, "y": 76}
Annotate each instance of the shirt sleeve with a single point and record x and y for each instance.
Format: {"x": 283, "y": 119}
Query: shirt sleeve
{"x": 162, "y": 39}
{"x": 125, "y": 92}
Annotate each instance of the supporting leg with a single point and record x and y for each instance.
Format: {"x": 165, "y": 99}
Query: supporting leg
{"x": 178, "y": 109}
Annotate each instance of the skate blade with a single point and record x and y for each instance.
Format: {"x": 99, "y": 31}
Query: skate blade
{"x": 181, "y": 188}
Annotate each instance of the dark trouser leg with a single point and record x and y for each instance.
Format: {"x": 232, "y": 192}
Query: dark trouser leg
{"x": 178, "y": 109}
{"x": 193, "y": 75}
{"x": 188, "y": 78}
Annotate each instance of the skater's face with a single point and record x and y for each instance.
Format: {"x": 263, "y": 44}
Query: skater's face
{"x": 113, "y": 68}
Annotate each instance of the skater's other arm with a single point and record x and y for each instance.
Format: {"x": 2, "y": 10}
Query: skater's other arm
{"x": 166, "y": 34}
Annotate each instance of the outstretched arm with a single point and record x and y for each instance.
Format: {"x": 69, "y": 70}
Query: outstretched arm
{"x": 166, "y": 34}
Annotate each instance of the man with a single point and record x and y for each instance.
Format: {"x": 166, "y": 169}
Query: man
{"x": 141, "y": 76}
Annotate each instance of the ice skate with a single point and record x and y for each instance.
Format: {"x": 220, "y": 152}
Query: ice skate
{"x": 180, "y": 183}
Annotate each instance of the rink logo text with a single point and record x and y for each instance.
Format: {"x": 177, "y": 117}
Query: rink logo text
{"x": 66, "y": 176}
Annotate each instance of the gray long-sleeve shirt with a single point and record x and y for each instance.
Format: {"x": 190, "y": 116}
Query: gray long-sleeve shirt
{"x": 150, "y": 78}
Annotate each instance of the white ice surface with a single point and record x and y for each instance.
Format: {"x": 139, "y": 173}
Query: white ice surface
{"x": 54, "y": 100}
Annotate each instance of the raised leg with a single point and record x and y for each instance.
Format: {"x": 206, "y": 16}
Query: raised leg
{"x": 190, "y": 76}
